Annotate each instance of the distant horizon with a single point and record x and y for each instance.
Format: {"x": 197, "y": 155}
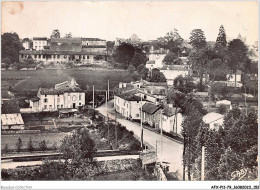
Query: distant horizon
{"x": 114, "y": 19}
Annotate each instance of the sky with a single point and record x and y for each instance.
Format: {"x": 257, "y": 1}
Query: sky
{"x": 148, "y": 19}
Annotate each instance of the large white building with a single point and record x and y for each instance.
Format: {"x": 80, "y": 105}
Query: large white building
{"x": 63, "y": 95}
{"x": 172, "y": 71}
{"x": 39, "y": 43}
{"x": 128, "y": 104}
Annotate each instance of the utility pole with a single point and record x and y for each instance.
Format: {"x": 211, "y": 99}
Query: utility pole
{"x": 156, "y": 147}
{"x": 93, "y": 97}
{"x": 161, "y": 133}
{"x": 141, "y": 124}
{"x": 106, "y": 106}
{"x": 108, "y": 89}
{"x": 202, "y": 163}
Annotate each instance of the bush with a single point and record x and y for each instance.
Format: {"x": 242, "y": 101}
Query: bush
{"x": 19, "y": 144}
{"x": 30, "y": 146}
{"x": 43, "y": 145}
{"x": 222, "y": 109}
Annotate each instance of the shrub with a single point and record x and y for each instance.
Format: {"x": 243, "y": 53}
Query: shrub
{"x": 43, "y": 145}
{"x": 19, "y": 144}
{"x": 6, "y": 149}
{"x": 30, "y": 146}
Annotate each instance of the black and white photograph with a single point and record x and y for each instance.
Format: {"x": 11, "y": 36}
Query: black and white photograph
{"x": 123, "y": 91}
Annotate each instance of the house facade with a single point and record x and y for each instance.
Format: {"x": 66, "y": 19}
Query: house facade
{"x": 173, "y": 71}
{"x": 171, "y": 120}
{"x": 39, "y": 43}
{"x": 65, "y": 49}
{"x": 128, "y": 105}
{"x": 214, "y": 120}
{"x": 68, "y": 95}
{"x": 151, "y": 114}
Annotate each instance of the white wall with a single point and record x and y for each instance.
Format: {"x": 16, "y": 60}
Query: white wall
{"x": 168, "y": 122}
{"x": 38, "y": 44}
{"x": 158, "y": 58}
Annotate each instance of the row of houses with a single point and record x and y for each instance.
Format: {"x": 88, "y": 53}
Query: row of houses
{"x": 65, "y": 49}
{"x": 148, "y": 104}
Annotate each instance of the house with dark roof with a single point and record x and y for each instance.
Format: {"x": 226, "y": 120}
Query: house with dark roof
{"x": 151, "y": 114}
{"x": 171, "y": 119}
{"x": 10, "y": 115}
{"x": 64, "y": 95}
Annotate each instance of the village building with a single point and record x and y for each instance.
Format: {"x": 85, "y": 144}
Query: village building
{"x": 173, "y": 71}
{"x": 10, "y": 115}
{"x": 63, "y": 95}
{"x": 151, "y": 114}
{"x": 65, "y": 50}
{"x": 39, "y": 43}
{"x": 213, "y": 120}
{"x": 128, "y": 104}
{"x": 171, "y": 120}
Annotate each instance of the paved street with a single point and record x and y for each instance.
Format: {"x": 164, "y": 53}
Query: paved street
{"x": 171, "y": 150}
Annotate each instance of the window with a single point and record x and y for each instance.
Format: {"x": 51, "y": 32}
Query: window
{"x": 157, "y": 99}
{"x": 45, "y": 107}
{"x": 40, "y": 56}
{"x": 35, "y": 56}
{"x": 80, "y": 97}
{"x": 43, "y": 56}
{"x": 45, "y": 100}
{"x": 83, "y": 56}
{"x": 35, "y": 47}
{"x": 50, "y": 107}
{"x": 144, "y": 96}
{"x": 79, "y": 104}
{"x": 22, "y": 56}
{"x": 61, "y": 106}
{"x": 53, "y": 56}
{"x": 58, "y": 99}
{"x": 45, "y": 95}
{"x": 58, "y": 106}
{"x": 87, "y": 57}
{"x": 58, "y": 56}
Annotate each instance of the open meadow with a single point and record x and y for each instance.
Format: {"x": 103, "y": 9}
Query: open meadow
{"x": 48, "y": 78}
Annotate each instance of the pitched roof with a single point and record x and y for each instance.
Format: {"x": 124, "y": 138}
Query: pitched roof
{"x": 53, "y": 91}
{"x": 175, "y": 67}
{"x": 92, "y": 39}
{"x": 150, "y": 62}
{"x": 40, "y": 38}
{"x": 150, "y": 108}
{"x": 93, "y": 46}
{"x": 130, "y": 95}
{"x": 211, "y": 117}
{"x": 10, "y": 106}
{"x": 50, "y": 52}
{"x": 12, "y": 119}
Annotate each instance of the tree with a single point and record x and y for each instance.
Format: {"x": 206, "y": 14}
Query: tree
{"x": 43, "y": 145}
{"x": 11, "y": 45}
{"x": 138, "y": 59}
{"x": 30, "y": 145}
{"x": 55, "y": 33}
{"x": 229, "y": 162}
{"x": 197, "y": 39}
{"x": 172, "y": 41}
{"x": 131, "y": 68}
{"x": 6, "y": 149}
{"x": 221, "y": 39}
{"x": 169, "y": 58}
{"x": 124, "y": 54}
{"x": 222, "y": 109}
{"x": 217, "y": 69}
{"x": 142, "y": 70}
{"x": 69, "y": 35}
{"x": 78, "y": 147}
{"x": 19, "y": 144}
{"x": 157, "y": 76}
{"x": 184, "y": 84}
{"x": 190, "y": 127}
{"x": 238, "y": 54}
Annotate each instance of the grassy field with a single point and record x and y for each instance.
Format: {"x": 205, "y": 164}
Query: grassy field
{"x": 85, "y": 78}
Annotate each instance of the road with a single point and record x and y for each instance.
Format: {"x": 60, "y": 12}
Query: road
{"x": 171, "y": 150}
